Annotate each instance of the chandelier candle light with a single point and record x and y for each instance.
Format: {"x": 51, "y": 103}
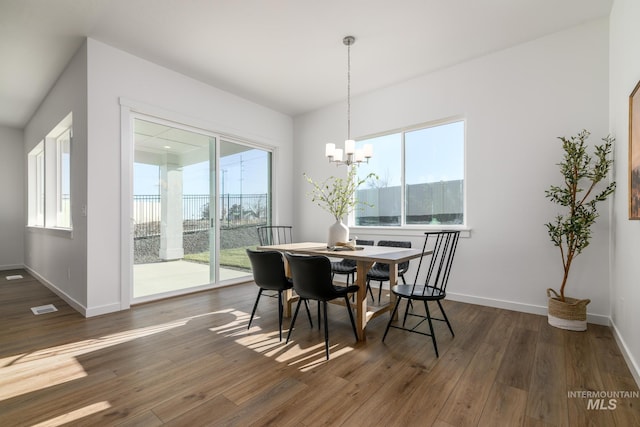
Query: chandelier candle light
{"x": 352, "y": 156}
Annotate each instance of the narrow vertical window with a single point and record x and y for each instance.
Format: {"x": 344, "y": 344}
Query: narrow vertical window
{"x": 35, "y": 166}
{"x": 63, "y": 178}
{"x": 49, "y": 179}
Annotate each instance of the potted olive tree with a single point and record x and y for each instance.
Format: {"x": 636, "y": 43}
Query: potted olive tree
{"x": 571, "y": 230}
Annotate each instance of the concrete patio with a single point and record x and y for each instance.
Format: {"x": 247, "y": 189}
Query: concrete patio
{"x": 162, "y": 277}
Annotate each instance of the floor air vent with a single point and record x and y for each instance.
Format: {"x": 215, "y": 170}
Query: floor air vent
{"x": 15, "y": 277}
{"x": 43, "y": 309}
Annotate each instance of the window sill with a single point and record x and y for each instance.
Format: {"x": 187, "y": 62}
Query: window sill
{"x": 413, "y": 230}
{"x": 59, "y": 232}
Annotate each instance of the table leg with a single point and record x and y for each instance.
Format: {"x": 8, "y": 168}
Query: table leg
{"x": 288, "y": 301}
{"x": 362, "y": 268}
{"x": 393, "y": 280}
{"x": 288, "y": 294}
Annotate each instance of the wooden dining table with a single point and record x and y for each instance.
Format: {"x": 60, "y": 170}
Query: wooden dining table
{"x": 364, "y": 257}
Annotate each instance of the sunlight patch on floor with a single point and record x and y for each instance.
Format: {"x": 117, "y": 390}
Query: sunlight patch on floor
{"x": 56, "y": 365}
{"x": 74, "y": 415}
{"x": 268, "y": 343}
{"x": 26, "y": 377}
{"x": 310, "y": 357}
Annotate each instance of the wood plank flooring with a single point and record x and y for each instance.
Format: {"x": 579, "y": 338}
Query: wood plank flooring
{"x": 190, "y": 361}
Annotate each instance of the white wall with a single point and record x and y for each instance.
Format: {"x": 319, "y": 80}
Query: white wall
{"x": 624, "y": 75}
{"x": 516, "y": 102}
{"x": 114, "y": 74}
{"x": 12, "y": 196}
{"x": 58, "y": 258}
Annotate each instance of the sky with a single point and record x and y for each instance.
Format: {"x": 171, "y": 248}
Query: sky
{"x": 432, "y": 154}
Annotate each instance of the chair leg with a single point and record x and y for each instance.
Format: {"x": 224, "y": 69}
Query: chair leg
{"x": 379, "y": 292}
{"x": 409, "y": 302}
{"x": 409, "y": 305}
{"x": 370, "y": 291}
{"x": 393, "y": 313}
{"x": 254, "y": 307}
{"x": 433, "y": 335}
{"x": 319, "y": 317}
{"x": 280, "y": 310}
{"x": 406, "y": 312}
{"x": 353, "y": 322}
{"x": 306, "y": 305}
{"x": 445, "y": 317}
{"x": 326, "y": 329}
{"x": 293, "y": 320}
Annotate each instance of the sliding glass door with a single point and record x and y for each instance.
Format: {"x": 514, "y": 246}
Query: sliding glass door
{"x": 174, "y": 232}
{"x": 197, "y": 200}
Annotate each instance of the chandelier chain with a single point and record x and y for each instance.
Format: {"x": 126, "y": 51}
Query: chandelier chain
{"x": 349, "y": 90}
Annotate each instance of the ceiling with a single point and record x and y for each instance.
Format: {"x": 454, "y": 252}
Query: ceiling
{"x": 285, "y": 54}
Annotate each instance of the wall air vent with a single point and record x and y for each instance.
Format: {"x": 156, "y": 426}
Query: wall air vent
{"x": 43, "y": 309}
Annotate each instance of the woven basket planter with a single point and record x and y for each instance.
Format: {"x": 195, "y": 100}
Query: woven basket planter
{"x": 570, "y": 314}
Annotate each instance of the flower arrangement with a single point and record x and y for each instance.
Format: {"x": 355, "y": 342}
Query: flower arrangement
{"x": 336, "y": 195}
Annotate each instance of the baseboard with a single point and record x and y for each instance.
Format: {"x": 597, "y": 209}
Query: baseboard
{"x": 11, "y": 267}
{"x": 53, "y": 288}
{"x": 624, "y": 349}
{"x": 597, "y": 319}
{"x": 104, "y": 309}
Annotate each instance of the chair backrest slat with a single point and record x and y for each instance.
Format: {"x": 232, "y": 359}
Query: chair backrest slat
{"x": 444, "y": 245}
{"x": 275, "y": 234}
{"x": 454, "y": 245}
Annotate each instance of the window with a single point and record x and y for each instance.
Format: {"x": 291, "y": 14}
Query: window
{"x": 63, "y": 176}
{"x": 35, "y": 165}
{"x": 420, "y": 177}
{"x": 49, "y": 179}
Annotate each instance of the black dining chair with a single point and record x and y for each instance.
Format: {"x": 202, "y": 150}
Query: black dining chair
{"x": 437, "y": 270}
{"x": 380, "y": 272}
{"x": 348, "y": 266}
{"x": 268, "y": 273}
{"x": 312, "y": 281}
{"x": 275, "y": 234}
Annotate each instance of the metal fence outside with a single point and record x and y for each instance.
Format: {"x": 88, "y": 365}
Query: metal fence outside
{"x": 234, "y": 210}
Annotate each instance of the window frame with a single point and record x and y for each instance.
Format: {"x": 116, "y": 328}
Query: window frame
{"x": 45, "y": 169}
{"x": 403, "y": 190}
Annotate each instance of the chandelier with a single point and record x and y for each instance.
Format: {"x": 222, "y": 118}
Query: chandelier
{"x": 351, "y": 155}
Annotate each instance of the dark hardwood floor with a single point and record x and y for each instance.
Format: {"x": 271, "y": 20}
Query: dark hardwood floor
{"x": 191, "y": 361}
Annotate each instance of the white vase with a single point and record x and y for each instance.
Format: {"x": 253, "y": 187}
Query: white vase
{"x": 338, "y": 232}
